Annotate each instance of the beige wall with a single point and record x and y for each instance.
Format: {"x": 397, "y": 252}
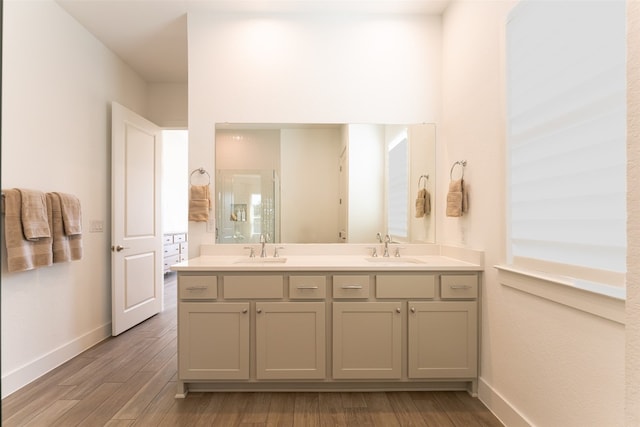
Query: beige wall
{"x": 167, "y": 104}
{"x": 542, "y": 362}
{"x": 58, "y": 83}
{"x": 309, "y": 185}
{"x": 633, "y": 206}
{"x": 307, "y": 68}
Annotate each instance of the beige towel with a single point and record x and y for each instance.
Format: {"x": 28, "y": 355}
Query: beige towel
{"x": 71, "y": 214}
{"x": 201, "y": 192}
{"x": 199, "y": 203}
{"x": 65, "y": 247}
{"x": 22, "y": 254}
{"x": 423, "y": 203}
{"x": 199, "y": 210}
{"x": 457, "y": 199}
{"x": 34, "y": 215}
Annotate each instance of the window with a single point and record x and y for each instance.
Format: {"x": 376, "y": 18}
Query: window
{"x": 398, "y": 187}
{"x": 566, "y": 97}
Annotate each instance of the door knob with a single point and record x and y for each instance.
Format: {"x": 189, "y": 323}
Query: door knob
{"x": 118, "y": 248}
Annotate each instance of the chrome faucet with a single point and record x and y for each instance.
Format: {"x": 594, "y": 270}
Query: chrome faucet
{"x": 379, "y": 237}
{"x": 387, "y": 240}
{"x": 263, "y": 242}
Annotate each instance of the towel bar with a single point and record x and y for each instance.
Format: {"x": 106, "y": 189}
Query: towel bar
{"x": 202, "y": 172}
{"x": 426, "y": 180}
{"x": 462, "y": 163}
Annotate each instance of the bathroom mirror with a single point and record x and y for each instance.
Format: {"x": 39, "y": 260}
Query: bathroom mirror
{"x": 323, "y": 183}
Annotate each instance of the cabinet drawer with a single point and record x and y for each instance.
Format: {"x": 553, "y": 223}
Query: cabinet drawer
{"x": 401, "y": 286}
{"x": 171, "y": 250}
{"x": 253, "y": 287}
{"x": 459, "y": 286}
{"x": 183, "y": 257}
{"x": 177, "y": 238}
{"x": 350, "y": 286}
{"x": 197, "y": 286}
{"x": 184, "y": 247}
{"x": 170, "y": 260}
{"x": 167, "y": 238}
{"x": 307, "y": 287}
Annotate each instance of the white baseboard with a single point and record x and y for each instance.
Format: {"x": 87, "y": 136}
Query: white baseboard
{"x": 33, "y": 370}
{"x": 501, "y": 408}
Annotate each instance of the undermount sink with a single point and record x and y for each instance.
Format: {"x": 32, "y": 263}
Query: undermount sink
{"x": 394, "y": 260}
{"x": 258, "y": 260}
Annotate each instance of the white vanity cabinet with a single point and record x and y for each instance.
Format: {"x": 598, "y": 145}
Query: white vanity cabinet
{"x": 324, "y": 330}
{"x": 213, "y": 338}
{"x": 443, "y": 339}
{"x": 290, "y": 340}
{"x": 367, "y": 340}
{"x": 213, "y": 341}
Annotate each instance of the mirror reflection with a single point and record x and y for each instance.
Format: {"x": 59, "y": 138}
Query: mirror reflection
{"x": 323, "y": 183}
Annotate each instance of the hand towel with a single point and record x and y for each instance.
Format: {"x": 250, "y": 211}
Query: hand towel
{"x": 199, "y": 203}
{"x": 423, "y": 203}
{"x": 22, "y": 254}
{"x": 457, "y": 199}
{"x": 201, "y": 192}
{"x": 34, "y": 215}
{"x": 199, "y": 210}
{"x": 71, "y": 214}
{"x": 65, "y": 247}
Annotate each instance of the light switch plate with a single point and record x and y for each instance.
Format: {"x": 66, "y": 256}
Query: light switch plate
{"x": 96, "y": 226}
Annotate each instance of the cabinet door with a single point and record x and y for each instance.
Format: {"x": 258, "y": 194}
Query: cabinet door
{"x": 290, "y": 340}
{"x": 367, "y": 340}
{"x": 213, "y": 341}
{"x": 443, "y": 339}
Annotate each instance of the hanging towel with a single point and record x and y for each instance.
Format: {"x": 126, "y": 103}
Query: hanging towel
{"x": 423, "y": 203}
{"x": 199, "y": 210}
{"x": 22, "y": 254}
{"x": 71, "y": 214}
{"x": 457, "y": 199}
{"x": 65, "y": 247}
{"x": 200, "y": 192}
{"x": 34, "y": 215}
{"x": 199, "y": 203}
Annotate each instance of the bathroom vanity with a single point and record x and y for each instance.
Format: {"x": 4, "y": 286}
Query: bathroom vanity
{"x": 333, "y": 319}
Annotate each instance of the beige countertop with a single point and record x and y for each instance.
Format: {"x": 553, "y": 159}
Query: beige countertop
{"x": 325, "y": 263}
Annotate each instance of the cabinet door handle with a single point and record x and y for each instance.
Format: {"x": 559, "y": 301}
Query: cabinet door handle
{"x": 244, "y": 311}
{"x": 196, "y": 288}
{"x": 398, "y": 310}
{"x": 460, "y": 287}
{"x": 259, "y": 310}
{"x": 352, "y": 287}
{"x": 413, "y": 309}
{"x": 307, "y": 287}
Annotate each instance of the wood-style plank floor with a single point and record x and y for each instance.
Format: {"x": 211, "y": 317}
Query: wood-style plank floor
{"x": 130, "y": 380}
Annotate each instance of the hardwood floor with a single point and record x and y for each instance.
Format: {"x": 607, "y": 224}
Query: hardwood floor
{"x": 130, "y": 381}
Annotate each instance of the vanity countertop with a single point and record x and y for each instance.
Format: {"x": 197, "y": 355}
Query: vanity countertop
{"x": 325, "y": 263}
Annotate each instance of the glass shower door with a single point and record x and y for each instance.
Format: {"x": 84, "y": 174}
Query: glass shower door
{"x": 246, "y": 206}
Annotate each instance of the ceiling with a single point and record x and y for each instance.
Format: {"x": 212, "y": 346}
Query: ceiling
{"x": 151, "y": 35}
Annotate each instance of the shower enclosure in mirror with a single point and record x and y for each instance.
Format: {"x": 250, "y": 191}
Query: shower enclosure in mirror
{"x": 246, "y": 206}
{"x": 330, "y": 182}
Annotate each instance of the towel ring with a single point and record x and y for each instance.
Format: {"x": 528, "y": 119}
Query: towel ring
{"x": 202, "y": 172}
{"x": 426, "y": 180}
{"x": 462, "y": 163}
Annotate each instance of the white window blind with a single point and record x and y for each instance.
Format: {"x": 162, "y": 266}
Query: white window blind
{"x": 398, "y": 187}
{"x": 566, "y": 95}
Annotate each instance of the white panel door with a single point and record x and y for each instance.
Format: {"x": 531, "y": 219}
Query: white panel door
{"x": 136, "y": 261}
